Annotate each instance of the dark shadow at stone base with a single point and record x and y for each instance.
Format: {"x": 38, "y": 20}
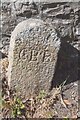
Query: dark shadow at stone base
{"x": 2, "y": 55}
{"x": 67, "y": 66}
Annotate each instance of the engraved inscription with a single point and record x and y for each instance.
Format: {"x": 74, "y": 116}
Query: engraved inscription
{"x": 25, "y": 54}
{"x": 34, "y": 55}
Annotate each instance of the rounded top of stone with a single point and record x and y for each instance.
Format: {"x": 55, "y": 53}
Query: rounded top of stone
{"x": 27, "y": 24}
{"x": 35, "y": 28}
{"x": 30, "y": 23}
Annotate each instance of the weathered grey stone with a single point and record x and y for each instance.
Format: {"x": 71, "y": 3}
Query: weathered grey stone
{"x": 33, "y": 55}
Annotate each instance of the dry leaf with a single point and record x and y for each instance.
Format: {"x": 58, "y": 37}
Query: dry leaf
{"x": 67, "y": 102}
{"x": 62, "y": 102}
{"x": 74, "y": 117}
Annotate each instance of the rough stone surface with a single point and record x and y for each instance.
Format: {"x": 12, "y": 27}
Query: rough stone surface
{"x": 33, "y": 55}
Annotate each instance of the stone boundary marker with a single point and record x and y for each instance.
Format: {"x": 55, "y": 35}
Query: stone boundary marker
{"x": 33, "y": 54}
